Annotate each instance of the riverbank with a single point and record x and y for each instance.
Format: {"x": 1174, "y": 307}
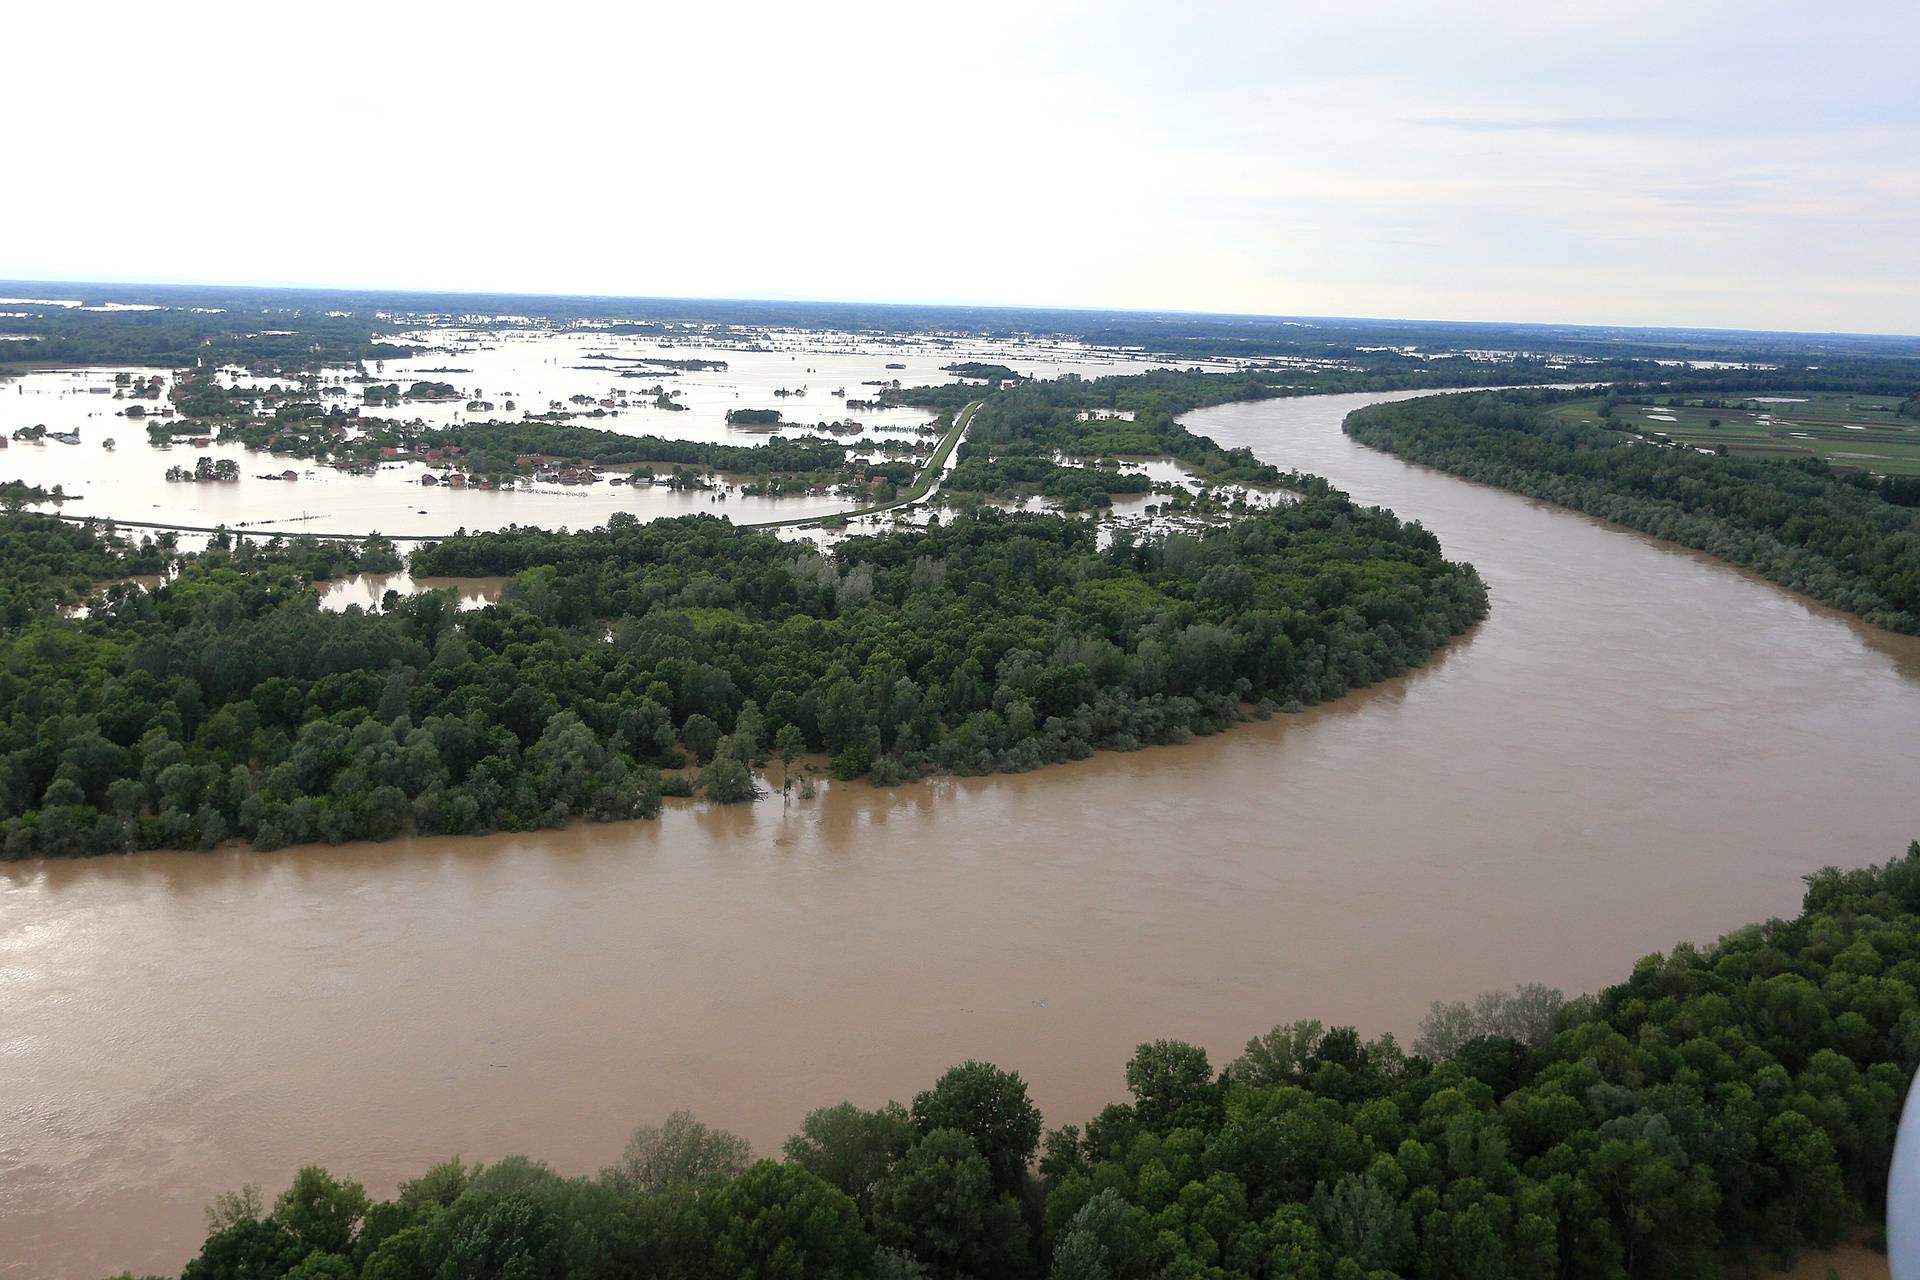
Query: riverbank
{"x": 1833, "y": 538}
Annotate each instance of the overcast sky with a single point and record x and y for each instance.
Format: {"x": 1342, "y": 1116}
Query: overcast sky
{"x": 1749, "y": 165}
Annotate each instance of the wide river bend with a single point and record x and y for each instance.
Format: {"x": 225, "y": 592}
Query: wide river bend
{"x": 1639, "y": 746}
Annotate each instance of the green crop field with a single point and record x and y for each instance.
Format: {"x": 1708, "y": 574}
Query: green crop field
{"x": 1860, "y": 431}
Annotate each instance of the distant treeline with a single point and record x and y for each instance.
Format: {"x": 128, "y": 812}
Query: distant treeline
{"x": 253, "y": 335}
{"x": 1381, "y": 345}
{"x": 1721, "y": 1108}
{"x": 1860, "y": 377}
{"x": 1836, "y": 539}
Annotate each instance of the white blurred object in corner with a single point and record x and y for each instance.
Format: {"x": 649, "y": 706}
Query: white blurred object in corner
{"x": 1903, "y": 1193}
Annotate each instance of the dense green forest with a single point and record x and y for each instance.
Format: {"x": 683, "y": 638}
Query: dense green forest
{"x": 1074, "y": 488}
{"x": 1838, "y": 540}
{"x": 52, "y": 565}
{"x": 264, "y": 331}
{"x": 226, "y": 703}
{"x": 1724, "y": 1104}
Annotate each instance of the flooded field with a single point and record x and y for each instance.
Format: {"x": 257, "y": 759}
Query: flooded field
{"x": 368, "y": 590}
{"x": 115, "y": 472}
{"x": 1638, "y": 746}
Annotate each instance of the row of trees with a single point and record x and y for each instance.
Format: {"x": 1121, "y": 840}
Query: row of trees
{"x": 495, "y": 448}
{"x": 261, "y": 333}
{"x": 205, "y": 470}
{"x": 1723, "y": 1105}
{"x": 1795, "y": 521}
{"x": 391, "y": 393}
{"x": 296, "y": 328}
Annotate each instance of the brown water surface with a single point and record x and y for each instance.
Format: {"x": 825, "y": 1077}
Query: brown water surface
{"x": 1638, "y": 746}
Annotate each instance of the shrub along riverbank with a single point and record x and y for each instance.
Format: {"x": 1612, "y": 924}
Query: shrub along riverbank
{"x": 1723, "y": 1105}
{"x": 1797, "y": 522}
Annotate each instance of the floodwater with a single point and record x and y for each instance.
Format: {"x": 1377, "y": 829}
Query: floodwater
{"x": 1639, "y": 746}
{"x": 367, "y": 590}
{"x": 115, "y": 472}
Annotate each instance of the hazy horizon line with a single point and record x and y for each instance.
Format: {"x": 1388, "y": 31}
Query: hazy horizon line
{"x": 376, "y": 290}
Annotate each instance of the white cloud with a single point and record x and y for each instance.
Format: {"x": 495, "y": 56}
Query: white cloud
{"x": 1748, "y": 165}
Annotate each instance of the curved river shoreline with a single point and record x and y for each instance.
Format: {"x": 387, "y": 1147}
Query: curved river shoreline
{"x": 1640, "y": 745}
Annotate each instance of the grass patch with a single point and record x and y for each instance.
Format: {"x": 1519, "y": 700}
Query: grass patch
{"x": 1862, "y": 432}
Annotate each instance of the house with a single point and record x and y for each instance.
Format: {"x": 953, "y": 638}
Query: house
{"x": 429, "y": 479}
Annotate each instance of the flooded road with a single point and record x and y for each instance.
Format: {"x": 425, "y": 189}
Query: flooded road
{"x": 1638, "y": 746}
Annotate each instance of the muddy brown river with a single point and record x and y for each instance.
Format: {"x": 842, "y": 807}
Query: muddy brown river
{"x": 1639, "y": 746}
